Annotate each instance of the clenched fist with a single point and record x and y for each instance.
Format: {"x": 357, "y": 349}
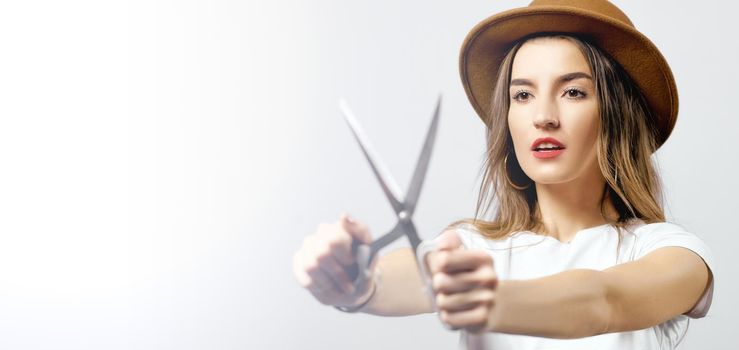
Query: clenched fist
{"x": 464, "y": 284}
{"x": 321, "y": 263}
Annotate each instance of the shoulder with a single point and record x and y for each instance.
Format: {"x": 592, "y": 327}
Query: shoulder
{"x": 663, "y": 234}
{"x": 659, "y": 228}
{"x": 654, "y": 235}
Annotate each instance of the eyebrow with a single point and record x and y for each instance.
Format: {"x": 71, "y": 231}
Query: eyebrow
{"x": 563, "y": 79}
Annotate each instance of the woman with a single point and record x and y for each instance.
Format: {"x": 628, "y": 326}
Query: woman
{"x": 578, "y": 254}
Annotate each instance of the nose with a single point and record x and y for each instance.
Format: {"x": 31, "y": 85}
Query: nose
{"x": 547, "y": 116}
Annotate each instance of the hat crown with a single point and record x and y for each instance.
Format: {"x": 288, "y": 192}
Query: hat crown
{"x": 601, "y": 7}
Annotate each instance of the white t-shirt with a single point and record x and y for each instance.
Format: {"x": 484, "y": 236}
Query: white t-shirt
{"x": 526, "y": 255}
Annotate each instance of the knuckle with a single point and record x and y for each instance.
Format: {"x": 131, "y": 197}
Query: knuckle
{"x": 309, "y": 283}
{"x": 443, "y": 260}
{"x": 334, "y": 244}
{"x": 323, "y": 259}
{"x": 438, "y": 281}
{"x": 487, "y": 297}
{"x": 489, "y": 273}
{"x": 441, "y": 300}
{"x": 494, "y": 280}
{"x": 480, "y": 315}
{"x": 491, "y": 281}
{"x": 312, "y": 267}
{"x": 324, "y": 250}
{"x": 306, "y": 283}
{"x": 331, "y": 245}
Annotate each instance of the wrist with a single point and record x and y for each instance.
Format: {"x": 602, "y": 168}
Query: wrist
{"x": 370, "y": 295}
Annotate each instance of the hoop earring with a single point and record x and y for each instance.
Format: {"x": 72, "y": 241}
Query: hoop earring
{"x": 505, "y": 166}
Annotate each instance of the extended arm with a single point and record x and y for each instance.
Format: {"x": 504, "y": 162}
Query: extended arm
{"x": 579, "y": 303}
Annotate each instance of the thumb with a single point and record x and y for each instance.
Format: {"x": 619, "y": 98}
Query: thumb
{"x": 448, "y": 240}
{"x": 356, "y": 229}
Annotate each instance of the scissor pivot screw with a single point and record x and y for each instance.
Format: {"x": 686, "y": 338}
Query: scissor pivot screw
{"x": 403, "y": 215}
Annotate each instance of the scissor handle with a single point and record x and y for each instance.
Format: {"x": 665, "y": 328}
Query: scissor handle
{"x": 360, "y": 273}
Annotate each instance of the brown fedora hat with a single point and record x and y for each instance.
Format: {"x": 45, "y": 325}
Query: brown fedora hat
{"x": 598, "y": 21}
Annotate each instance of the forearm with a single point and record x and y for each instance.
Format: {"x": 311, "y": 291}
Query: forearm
{"x": 570, "y": 304}
{"x": 399, "y": 288}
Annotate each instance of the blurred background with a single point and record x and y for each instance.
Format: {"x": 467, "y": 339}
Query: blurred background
{"x": 163, "y": 160}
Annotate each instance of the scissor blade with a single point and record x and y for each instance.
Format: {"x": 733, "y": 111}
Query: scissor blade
{"x": 410, "y": 231}
{"x": 402, "y": 228}
{"x": 423, "y": 163}
{"x": 388, "y": 238}
{"x": 388, "y": 184}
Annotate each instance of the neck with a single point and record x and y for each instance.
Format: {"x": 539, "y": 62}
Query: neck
{"x": 566, "y": 208}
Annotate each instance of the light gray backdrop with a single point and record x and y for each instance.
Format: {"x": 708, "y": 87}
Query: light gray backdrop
{"x": 162, "y": 161}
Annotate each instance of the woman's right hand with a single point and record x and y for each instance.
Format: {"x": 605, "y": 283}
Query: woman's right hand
{"x": 321, "y": 263}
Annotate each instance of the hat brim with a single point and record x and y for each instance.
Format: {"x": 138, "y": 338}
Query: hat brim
{"x": 487, "y": 43}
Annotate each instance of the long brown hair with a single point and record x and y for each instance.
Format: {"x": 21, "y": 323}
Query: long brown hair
{"x": 626, "y": 141}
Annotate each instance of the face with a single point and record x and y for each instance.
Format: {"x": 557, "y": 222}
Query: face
{"x": 553, "y": 96}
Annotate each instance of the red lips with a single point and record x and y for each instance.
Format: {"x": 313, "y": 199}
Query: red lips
{"x": 551, "y": 140}
{"x": 548, "y": 152}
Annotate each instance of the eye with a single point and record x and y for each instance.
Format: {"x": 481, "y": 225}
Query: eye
{"x": 575, "y": 93}
{"x": 521, "y": 95}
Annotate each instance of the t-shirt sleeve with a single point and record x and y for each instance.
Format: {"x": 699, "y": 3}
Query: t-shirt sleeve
{"x": 658, "y": 235}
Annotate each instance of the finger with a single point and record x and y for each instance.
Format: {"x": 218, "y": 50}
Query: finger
{"x": 322, "y": 250}
{"x": 474, "y": 319}
{"x": 340, "y": 247}
{"x": 464, "y": 301}
{"x": 319, "y": 283}
{"x": 445, "y": 283}
{"x": 356, "y": 229}
{"x": 458, "y": 260}
{"x": 336, "y": 273}
{"x": 484, "y": 276}
{"x": 342, "y": 253}
{"x": 335, "y": 241}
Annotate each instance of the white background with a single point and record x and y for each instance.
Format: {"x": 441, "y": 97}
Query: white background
{"x": 161, "y": 161}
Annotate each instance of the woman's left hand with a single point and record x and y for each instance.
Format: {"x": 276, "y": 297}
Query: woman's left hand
{"x": 464, "y": 284}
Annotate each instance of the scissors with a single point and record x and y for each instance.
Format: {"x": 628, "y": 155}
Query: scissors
{"x": 404, "y": 207}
